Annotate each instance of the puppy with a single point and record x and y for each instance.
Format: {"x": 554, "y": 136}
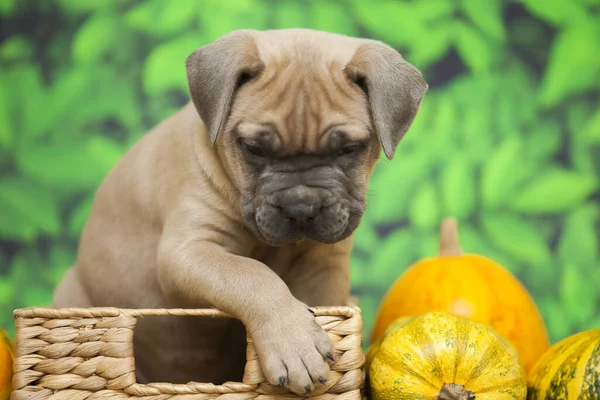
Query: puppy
{"x": 246, "y": 200}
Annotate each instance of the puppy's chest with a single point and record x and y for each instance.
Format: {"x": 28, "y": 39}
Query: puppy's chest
{"x": 279, "y": 259}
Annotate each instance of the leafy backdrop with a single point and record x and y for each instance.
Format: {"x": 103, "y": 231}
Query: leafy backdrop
{"x": 508, "y": 139}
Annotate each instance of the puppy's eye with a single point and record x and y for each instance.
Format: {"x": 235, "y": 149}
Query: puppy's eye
{"x": 253, "y": 149}
{"x": 350, "y": 149}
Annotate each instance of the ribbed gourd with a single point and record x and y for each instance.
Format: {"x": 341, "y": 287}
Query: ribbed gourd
{"x": 471, "y": 286}
{"x": 569, "y": 370}
{"x": 442, "y": 356}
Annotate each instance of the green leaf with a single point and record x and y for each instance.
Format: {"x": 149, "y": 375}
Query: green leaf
{"x": 61, "y": 259}
{"x": 37, "y": 296}
{"x": 6, "y": 129}
{"x": 440, "y": 131}
{"x": 80, "y": 215}
{"x": 359, "y": 270}
{"x": 434, "y": 11}
{"x": 515, "y": 236}
{"x": 487, "y": 16}
{"x": 116, "y": 100}
{"x": 475, "y": 51}
{"x": 593, "y": 323}
{"x": 67, "y": 92}
{"x": 574, "y": 63}
{"x": 159, "y": 18}
{"x": 75, "y": 167}
{"x": 16, "y": 48}
{"x": 28, "y": 99}
{"x": 28, "y": 273}
{"x": 8, "y": 7}
{"x": 365, "y": 237}
{"x": 392, "y": 181}
{"x": 97, "y": 37}
{"x": 554, "y": 192}
{"x": 578, "y": 294}
{"x": 27, "y": 209}
{"x": 518, "y": 87}
{"x": 472, "y": 242}
{"x": 584, "y": 158}
{"x": 117, "y": 97}
{"x": 424, "y": 208}
{"x": 82, "y": 7}
{"x": 429, "y": 245}
{"x": 164, "y": 69}
{"x": 557, "y": 12}
{"x": 331, "y": 17}
{"x": 23, "y": 267}
{"x": 544, "y": 141}
{"x": 382, "y": 21}
{"x": 592, "y": 129}
{"x": 499, "y": 177}
{"x": 393, "y": 257}
{"x": 369, "y": 306}
{"x": 7, "y": 290}
{"x": 289, "y": 14}
{"x": 578, "y": 242}
{"x": 473, "y": 115}
{"x": 432, "y": 45}
{"x": 457, "y": 181}
{"x": 241, "y": 14}
{"x": 556, "y": 317}
{"x": 445, "y": 123}
{"x": 578, "y": 113}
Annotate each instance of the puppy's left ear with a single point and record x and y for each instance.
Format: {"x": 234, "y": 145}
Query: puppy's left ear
{"x": 394, "y": 89}
{"x": 216, "y": 71}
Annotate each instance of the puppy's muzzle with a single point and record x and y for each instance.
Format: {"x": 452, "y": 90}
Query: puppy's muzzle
{"x": 300, "y": 205}
{"x": 302, "y": 212}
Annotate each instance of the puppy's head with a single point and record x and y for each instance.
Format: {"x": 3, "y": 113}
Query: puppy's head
{"x": 301, "y": 117}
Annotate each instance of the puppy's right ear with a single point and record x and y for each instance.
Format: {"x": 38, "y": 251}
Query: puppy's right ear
{"x": 215, "y": 72}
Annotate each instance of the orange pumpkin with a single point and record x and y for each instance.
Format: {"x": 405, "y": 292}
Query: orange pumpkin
{"x": 6, "y": 364}
{"x": 470, "y": 286}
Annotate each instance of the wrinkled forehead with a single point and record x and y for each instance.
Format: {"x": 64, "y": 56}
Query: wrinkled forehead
{"x": 303, "y": 94}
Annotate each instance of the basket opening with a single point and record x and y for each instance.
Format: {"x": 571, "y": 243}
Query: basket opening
{"x": 203, "y": 350}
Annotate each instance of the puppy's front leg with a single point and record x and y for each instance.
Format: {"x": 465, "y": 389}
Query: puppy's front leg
{"x": 292, "y": 348}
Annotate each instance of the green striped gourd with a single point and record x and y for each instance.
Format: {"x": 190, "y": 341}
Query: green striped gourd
{"x": 569, "y": 370}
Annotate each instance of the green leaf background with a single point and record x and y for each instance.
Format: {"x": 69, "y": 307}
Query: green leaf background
{"x": 507, "y": 140}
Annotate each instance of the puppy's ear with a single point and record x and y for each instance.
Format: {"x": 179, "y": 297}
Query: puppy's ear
{"x": 216, "y": 71}
{"x": 394, "y": 89}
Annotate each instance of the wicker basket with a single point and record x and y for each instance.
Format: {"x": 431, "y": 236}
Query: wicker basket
{"x": 87, "y": 354}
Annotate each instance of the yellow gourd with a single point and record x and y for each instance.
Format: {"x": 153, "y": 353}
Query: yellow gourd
{"x": 6, "y": 364}
{"x": 441, "y": 356}
{"x": 374, "y": 347}
{"x": 569, "y": 370}
{"x": 471, "y": 286}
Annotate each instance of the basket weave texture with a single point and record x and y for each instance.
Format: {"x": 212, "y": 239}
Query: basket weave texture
{"x": 87, "y": 354}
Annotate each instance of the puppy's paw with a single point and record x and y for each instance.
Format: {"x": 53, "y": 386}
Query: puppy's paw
{"x": 294, "y": 353}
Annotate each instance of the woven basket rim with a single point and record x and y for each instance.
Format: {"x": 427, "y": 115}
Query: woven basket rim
{"x": 95, "y": 312}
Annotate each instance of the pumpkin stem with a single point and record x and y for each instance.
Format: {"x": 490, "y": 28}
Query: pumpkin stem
{"x": 452, "y": 391}
{"x": 449, "y": 242}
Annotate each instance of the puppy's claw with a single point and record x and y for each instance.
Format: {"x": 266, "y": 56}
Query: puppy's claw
{"x": 281, "y": 381}
{"x": 330, "y": 356}
{"x": 311, "y": 311}
{"x": 321, "y": 379}
{"x": 307, "y": 389}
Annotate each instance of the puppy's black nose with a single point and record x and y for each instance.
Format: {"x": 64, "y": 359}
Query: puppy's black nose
{"x": 301, "y": 212}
